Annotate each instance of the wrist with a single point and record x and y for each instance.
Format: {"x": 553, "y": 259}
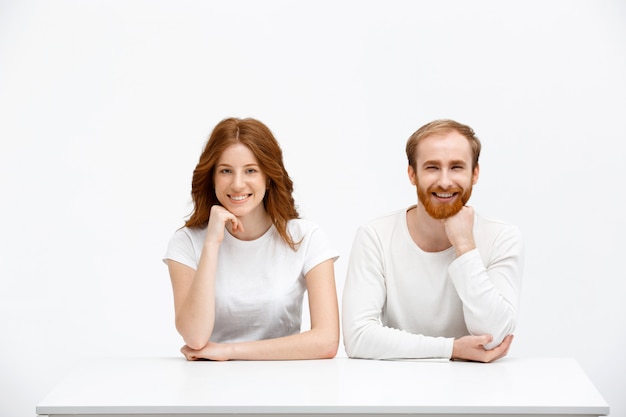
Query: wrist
{"x": 463, "y": 247}
{"x": 211, "y": 245}
{"x": 228, "y": 351}
{"x": 455, "y": 349}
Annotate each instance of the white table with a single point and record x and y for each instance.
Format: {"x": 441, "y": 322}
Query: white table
{"x": 335, "y": 387}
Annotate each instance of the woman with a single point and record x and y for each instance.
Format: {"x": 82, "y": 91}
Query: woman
{"x": 240, "y": 266}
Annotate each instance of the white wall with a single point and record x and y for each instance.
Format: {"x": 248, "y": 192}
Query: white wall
{"x": 106, "y": 104}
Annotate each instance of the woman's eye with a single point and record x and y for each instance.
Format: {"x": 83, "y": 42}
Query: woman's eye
{"x": 225, "y": 171}
{"x": 251, "y": 170}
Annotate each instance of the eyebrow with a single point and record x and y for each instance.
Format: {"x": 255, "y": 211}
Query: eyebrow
{"x": 229, "y": 165}
{"x": 458, "y": 162}
{"x": 437, "y": 162}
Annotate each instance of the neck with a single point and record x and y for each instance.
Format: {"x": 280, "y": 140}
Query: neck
{"x": 427, "y": 233}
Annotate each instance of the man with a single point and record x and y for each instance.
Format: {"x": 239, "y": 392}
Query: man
{"x": 435, "y": 280}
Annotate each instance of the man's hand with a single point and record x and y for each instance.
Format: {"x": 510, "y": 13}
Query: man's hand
{"x": 460, "y": 230}
{"x": 471, "y": 348}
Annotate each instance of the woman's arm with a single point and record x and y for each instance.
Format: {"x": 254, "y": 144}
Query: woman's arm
{"x": 320, "y": 342}
{"x": 194, "y": 291}
{"x": 194, "y": 297}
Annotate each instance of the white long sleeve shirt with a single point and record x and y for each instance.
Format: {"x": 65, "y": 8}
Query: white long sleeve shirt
{"x": 402, "y": 302}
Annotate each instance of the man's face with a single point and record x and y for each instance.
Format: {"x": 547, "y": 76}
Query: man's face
{"x": 443, "y": 174}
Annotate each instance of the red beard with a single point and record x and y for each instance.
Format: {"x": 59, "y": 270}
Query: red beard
{"x": 439, "y": 210}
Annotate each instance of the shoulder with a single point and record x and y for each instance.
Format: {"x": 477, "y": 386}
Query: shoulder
{"x": 493, "y": 229}
{"x": 312, "y": 241}
{"x": 302, "y": 228}
{"x": 185, "y": 246}
{"x": 493, "y": 224}
{"x": 193, "y": 234}
{"x": 301, "y": 225}
{"x": 385, "y": 223}
{"x": 188, "y": 239}
{"x": 382, "y": 231}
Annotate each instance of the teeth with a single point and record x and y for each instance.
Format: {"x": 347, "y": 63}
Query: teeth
{"x": 444, "y": 195}
{"x": 239, "y": 197}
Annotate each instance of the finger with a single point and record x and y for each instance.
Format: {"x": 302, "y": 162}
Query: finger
{"x": 501, "y": 355}
{"x": 183, "y": 350}
{"x": 237, "y": 225}
{"x": 486, "y": 339}
{"x": 506, "y": 343}
{"x": 502, "y": 350}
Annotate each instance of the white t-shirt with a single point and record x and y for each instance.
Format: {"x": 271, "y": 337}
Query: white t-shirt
{"x": 260, "y": 284}
{"x": 402, "y": 302}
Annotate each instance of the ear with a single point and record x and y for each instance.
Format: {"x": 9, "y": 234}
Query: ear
{"x": 411, "y": 173}
{"x": 475, "y": 174}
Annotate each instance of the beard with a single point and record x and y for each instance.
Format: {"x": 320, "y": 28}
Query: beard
{"x": 438, "y": 210}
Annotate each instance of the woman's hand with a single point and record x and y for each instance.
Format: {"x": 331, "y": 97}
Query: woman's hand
{"x": 212, "y": 351}
{"x": 218, "y": 220}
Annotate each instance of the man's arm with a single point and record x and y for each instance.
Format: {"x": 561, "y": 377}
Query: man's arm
{"x": 488, "y": 282}
{"x": 364, "y": 297}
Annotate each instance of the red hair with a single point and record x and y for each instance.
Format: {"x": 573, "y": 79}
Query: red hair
{"x": 278, "y": 200}
{"x": 438, "y": 127}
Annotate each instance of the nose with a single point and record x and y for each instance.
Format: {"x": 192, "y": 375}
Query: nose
{"x": 238, "y": 181}
{"x": 445, "y": 178}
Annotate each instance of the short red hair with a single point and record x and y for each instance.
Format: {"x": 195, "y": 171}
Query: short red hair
{"x": 438, "y": 127}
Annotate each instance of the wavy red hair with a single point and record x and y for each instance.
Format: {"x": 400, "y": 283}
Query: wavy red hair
{"x": 278, "y": 200}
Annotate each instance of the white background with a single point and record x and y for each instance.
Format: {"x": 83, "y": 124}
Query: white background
{"x": 106, "y": 105}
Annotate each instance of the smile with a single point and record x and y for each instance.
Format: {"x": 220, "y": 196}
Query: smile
{"x": 239, "y": 197}
{"x": 444, "y": 195}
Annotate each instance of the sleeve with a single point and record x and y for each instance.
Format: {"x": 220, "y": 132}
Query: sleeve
{"x": 317, "y": 249}
{"x": 181, "y": 249}
{"x": 363, "y": 301}
{"x": 490, "y": 289}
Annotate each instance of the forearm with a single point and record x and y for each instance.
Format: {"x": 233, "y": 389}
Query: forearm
{"x": 195, "y": 317}
{"x": 311, "y": 344}
{"x": 375, "y": 341}
{"x": 490, "y": 297}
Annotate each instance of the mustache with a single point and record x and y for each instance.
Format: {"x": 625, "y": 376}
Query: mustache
{"x": 439, "y": 189}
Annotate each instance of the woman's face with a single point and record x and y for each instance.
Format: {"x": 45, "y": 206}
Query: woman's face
{"x": 240, "y": 185}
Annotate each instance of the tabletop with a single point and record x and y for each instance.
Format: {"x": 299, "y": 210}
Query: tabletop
{"x": 340, "y": 386}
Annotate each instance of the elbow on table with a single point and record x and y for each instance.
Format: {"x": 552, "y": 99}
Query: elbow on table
{"x": 194, "y": 340}
{"x": 327, "y": 347}
{"x": 196, "y": 344}
{"x": 351, "y": 343}
{"x": 360, "y": 338}
{"x": 507, "y": 328}
{"x": 329, "y": 351}
{"x": 351, "y": 352}
{"x": 355, "y": 352}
